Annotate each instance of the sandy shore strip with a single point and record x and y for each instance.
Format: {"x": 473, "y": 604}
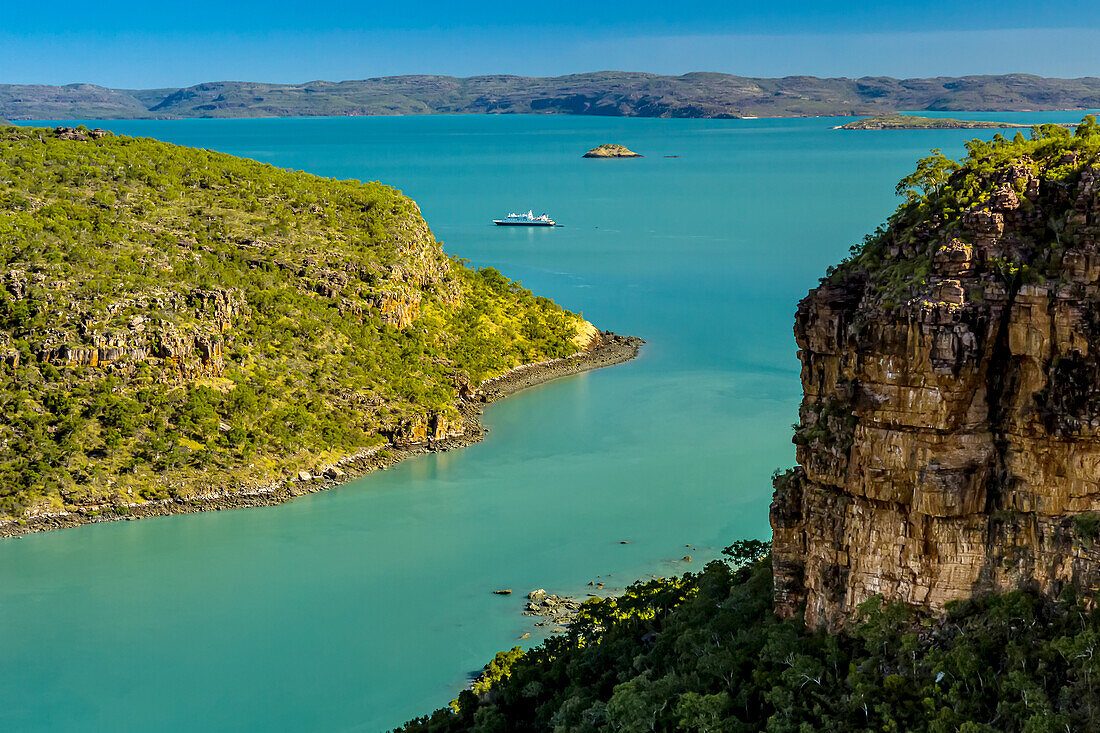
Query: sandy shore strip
{"x": 612, "y": 349}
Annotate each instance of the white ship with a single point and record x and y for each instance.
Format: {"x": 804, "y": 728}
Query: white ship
{"x": 525, "y": 220}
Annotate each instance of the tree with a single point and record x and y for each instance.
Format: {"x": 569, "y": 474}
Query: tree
{"x": 929, "y": 177}
{"x": 1089, "y": 127}
{"x": 744, "y": 552}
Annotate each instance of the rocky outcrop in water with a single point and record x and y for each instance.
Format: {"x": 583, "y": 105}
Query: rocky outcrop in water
{"x": 553, "y": 610}
{"x": 949, "y": 434}
{"x": 610, "y": 150}
{"x": 913, "y": 122}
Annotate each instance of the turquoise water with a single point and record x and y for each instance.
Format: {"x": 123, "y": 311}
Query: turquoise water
{"x": 357, "y": 608}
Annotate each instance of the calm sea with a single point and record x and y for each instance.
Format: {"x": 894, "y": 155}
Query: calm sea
{"x": 358, "y": 608}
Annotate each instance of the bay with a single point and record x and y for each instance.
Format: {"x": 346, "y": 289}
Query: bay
{"x": 354, "y": 609}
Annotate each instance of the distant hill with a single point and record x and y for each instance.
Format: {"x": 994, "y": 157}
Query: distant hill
{"x": 33, "y": 101}
{"x": 608, "y": 93}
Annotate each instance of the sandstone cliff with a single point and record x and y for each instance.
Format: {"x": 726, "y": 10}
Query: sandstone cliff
{"x": 949, "y": 435}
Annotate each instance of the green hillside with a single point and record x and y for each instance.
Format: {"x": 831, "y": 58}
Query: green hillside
{"x": 174, "y": 320}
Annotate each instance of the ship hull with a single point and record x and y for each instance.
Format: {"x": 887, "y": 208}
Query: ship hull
{"x": 500, "y": 223}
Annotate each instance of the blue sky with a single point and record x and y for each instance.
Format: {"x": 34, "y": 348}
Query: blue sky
{"x": 130, "y": 44}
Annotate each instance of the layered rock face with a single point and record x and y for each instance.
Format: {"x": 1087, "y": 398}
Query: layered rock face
{"x": 949, "y": 434}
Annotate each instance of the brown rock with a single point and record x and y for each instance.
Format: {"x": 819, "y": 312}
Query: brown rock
{"x": 954, "y": 259}
{"x": 70, "y": 133}
{"x": 947, "y": 444}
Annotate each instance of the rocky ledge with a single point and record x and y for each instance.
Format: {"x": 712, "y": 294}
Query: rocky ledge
{"x": 610, "y": 150}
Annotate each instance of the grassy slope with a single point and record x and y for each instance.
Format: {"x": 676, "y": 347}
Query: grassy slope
{"x": 612, "y": 93}
{"x": 252, "y": 320}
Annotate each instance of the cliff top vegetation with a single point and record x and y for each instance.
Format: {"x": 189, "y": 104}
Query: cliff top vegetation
{"x": 948, "y": 203}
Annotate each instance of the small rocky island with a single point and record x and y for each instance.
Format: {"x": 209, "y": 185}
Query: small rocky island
{"x": 912, "y": 122}
{"x": 611, "y": 150}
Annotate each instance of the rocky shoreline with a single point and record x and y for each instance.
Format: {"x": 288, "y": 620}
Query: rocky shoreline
{"x": 554, "y": 610}
{"x": 610, "y": 350}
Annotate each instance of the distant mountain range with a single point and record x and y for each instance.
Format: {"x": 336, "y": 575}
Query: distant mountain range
{"x": 609, "y": 93}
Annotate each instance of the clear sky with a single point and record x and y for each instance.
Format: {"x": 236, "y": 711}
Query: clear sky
{"x": 155, "y": 44}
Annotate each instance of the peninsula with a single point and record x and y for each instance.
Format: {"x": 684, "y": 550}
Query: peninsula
{"x": 183, "y": 330}
{"x": 611, "y": 150}
{"x": 913, "y": 122}
{"x": 602, "y": 93}
{"x": 936, "y": 553}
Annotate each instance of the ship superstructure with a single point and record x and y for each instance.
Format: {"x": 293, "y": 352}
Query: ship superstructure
{"x": 525, "y": 220}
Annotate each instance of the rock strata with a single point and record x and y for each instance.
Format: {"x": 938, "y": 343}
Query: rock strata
{"x": 949, "y": 435}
